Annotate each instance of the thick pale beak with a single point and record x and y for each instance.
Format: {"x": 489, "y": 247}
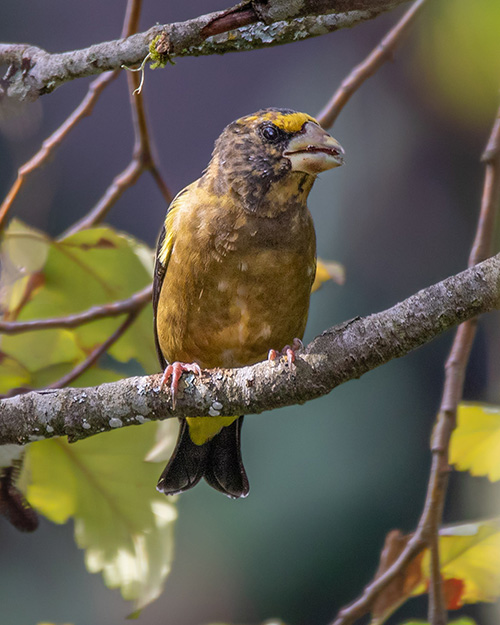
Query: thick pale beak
{"x": 314, "y": 150}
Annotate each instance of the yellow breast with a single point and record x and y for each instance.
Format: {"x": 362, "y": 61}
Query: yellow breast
{"x": 235, "y": 287}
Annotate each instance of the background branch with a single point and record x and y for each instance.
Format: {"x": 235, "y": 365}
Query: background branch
{"x": 426, "y": 533}
{"x": 455, "y": 369}
{"x": 135, "y": 302}
{"x": 85, "y": 108}
{"x": 377, "y": 57}
{"x": 52, "y": 143}
{"x": 96, "y": 353}
{"x": 340, "y": 354}
{"x": 142, "y": 160}
{"x": 33, "y": 72}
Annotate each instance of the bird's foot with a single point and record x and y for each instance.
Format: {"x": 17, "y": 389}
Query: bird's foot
{"x": 174, "y": 371}
{"x": 287, "y": 351}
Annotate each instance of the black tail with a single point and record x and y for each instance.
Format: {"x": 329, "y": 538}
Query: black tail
{"x": 13, "y": 504}
{"x": 218, "y": 461}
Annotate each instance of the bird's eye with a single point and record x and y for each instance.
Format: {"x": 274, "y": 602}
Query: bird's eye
{"x": 270, "y": 132}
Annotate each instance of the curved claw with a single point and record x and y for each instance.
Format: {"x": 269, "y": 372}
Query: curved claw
{"x": 175, "y": 371}
{"x": 289, "y": 352}
{"x": 272, "y": 354}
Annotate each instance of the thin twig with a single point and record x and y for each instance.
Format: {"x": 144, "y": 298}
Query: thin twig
{"x": 85, "y": 108}
{"x": 96, "y": 353}
{"x": 127, "y": 178}
{"x": 142, "y": 160}
{"x": 51, "y": 143}
{"x": 34, "y": 72}
{"x": 452, "y": 393}
{"x": 456, "y": 366}
{"x": 379, "y": 55}
{"x": 437, "y": 610}
{"x": 132, "y": 17}
{"x": 134, "y": 302}
{"x": 144, "y": 149}
{"x": 160, "y": 183}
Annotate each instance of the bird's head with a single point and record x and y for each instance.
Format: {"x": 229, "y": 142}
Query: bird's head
{"x": 271, "y": 158}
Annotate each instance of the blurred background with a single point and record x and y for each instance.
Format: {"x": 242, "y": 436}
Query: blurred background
{"x": 331, "y": 478}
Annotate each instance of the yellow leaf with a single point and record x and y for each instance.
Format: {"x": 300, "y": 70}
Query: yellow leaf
{"x": 470, "y": 556}
{"x": 475, "y": 444}
{"x": 122, "y": 522}
{"x": 328, "y": 270}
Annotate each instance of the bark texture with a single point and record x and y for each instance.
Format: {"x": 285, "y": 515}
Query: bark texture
{"x": 33, "y": 72}
{"x": 339, "y": 354}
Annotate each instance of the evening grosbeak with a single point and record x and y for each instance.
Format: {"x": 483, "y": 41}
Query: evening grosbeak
{"x": 235, "y": 263}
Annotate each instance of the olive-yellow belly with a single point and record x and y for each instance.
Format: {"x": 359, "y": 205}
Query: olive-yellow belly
{"x": 228, "y": 295}
{"x": 232, "y": 316}
{"x": 233, "y": 313}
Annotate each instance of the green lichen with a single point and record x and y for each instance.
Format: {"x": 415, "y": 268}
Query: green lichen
{"x": 158, "y": 51}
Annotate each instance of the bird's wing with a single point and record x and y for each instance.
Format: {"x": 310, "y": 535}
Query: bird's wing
{"x": 163, "y": 252}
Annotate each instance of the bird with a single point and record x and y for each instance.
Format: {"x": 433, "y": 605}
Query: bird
{"x": 235, "y": 262}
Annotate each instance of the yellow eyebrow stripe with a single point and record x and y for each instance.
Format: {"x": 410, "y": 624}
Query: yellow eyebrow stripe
{"x": 289, "y": 122}
{"x": 292, "y": 122}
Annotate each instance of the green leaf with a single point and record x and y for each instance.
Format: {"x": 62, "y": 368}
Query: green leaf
{"x": 20, "y": 258}
{"x": 12, "y": 374}
{"x": 46, "y": 278}
{"x": 465, "y": 620}
{"x": 102, "y": 483}
{"x": 122, "y": 522}
{"x": 43, "y": 348}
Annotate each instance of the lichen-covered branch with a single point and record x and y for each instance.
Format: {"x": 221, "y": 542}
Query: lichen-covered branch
{"x": 247, "y": 26}
{"x": 340, "y": 354}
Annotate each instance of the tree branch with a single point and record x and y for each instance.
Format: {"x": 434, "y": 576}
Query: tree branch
{"x": 135, "y": 302}
{"x": 342, "y": 353}
{"x": 33, "y": 72}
